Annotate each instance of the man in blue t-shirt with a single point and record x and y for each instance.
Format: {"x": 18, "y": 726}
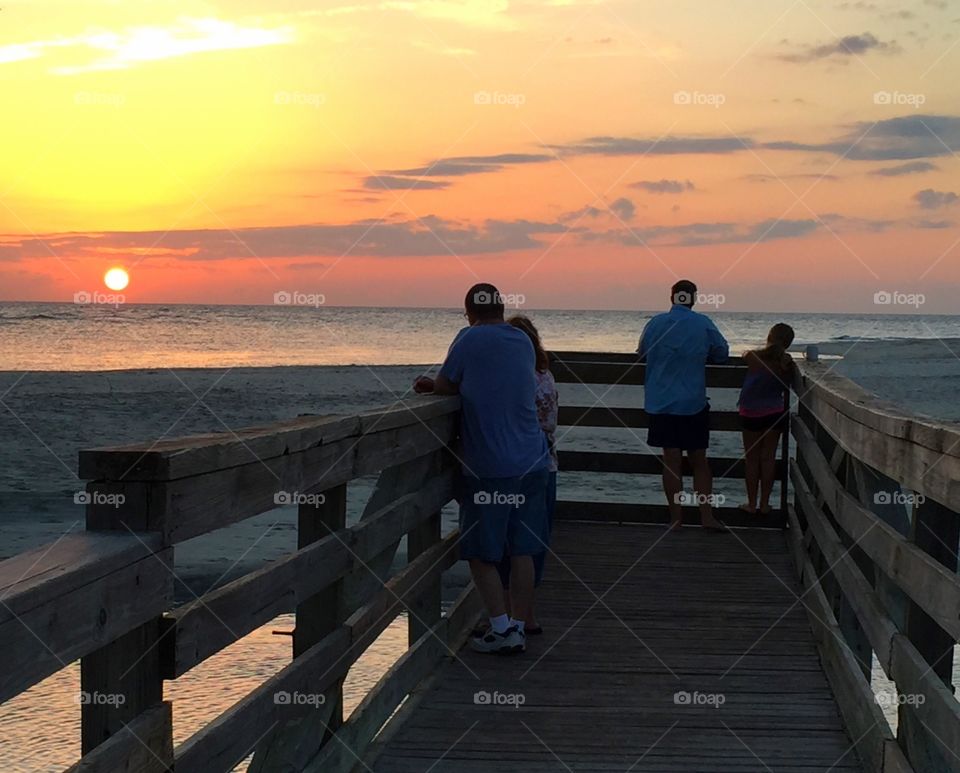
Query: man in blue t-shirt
{"x": 505, "y": 460}
{"x": 676, "y": 347}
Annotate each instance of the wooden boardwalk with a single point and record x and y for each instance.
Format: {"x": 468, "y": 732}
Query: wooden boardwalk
{"x": 681, "y": 652}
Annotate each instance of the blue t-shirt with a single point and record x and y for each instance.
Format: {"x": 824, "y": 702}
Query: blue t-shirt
{"x": 494, "y": 365}
{"x": 677, "y": 346}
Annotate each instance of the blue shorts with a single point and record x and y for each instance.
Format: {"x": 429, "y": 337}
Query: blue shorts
{"x": 500, "y": 516}
{"x": 539, "y": 559}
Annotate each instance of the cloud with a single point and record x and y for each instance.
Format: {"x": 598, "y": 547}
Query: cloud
{"x": 459, "y": 166}
{"x": 665, "y": 146}
{"x": 766, "y": 178}
{"x": 911, "y": 167}
{"x": 893, "y": 139}
{"x": 426, "y": 236}
{"x": 623, "y": 208}
{"x": 931, "y": 199}
{"x": 136, "y": 45}
{"x": 847, "y": 46}
{"x": 664, "y": 186}
{"x": 392, "y": 183}
{"x": 702, "y": 234}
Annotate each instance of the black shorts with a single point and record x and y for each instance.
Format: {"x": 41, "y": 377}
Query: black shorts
{"x": 774, "y": 421}
{"x": 688, "y": 433}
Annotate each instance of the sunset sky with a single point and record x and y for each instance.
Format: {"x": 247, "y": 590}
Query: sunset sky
{"x": 790, "y": 155}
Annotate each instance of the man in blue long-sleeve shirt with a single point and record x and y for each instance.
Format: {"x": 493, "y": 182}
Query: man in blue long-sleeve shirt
{"x": 677, "y": 346}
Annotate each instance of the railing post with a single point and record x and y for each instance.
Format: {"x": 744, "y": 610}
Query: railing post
{"x": 291, "y": 745}
{"x": 425, "y": 611}
{"x": 936, "y": 531}
{"x": 123, "y": 679}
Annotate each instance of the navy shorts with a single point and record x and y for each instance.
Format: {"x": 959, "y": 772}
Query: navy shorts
{"x": 539, "y": 559}
{"x": 503, "y": 516}
{"x": 688, "y": 433}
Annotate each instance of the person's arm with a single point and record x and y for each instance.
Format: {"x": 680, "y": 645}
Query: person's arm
{"x": 444, "y": 386}
{"x": 719, "y": 350}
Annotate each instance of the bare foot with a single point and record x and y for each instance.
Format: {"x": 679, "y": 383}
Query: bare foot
{"x": 765, "y": 510}
{"x": 713, "y": 524}
{"x": 748, "y": 508}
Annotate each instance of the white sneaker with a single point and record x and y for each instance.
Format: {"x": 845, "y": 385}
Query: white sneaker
{"x": 507, "y": 643}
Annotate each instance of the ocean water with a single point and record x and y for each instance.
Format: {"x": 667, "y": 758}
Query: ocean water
{"x": 79, "y": 337}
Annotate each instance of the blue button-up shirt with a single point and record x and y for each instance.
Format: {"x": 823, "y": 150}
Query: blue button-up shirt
{"x": 677, "y": 346}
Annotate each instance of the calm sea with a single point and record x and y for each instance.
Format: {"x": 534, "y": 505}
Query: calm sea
{"x": 49, "y": 336}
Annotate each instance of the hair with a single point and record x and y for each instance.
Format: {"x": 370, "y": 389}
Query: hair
{"x": 775, "y": 352}
{"x": 524, "y": 324}
{"x": 684, "y": 292}
{"x": 484, "y": 301}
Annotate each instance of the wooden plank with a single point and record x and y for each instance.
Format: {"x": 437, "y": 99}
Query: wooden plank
{"x": 858, "y": 591}
{"x": 935, "y": 589}
{"x": 188, "y": 507}
{"x": 634, "y": 373}
{"x": 647, "y": 464}
{"x": 118, "y": 682}
{"x": 937, "y": 714}
{"x": 935, "y": 531}
{"x": 923, "y": 454}
{"x": 221, "y": 744}
{"x": 463, "y": 615}
{"x": 143, "y": 746}
{"x": 633, "y": 418}
{"x": 643, "y": 513}
{"x": 599, "y": 689}
{"x": 341, "y": 754}
{"x": 75, "y": 596}
{"x": 619, "y": 357}
{"x": 290, "y": 745}
{"x": 224, "y": 742}
{"x": 875, "y": 745}
{"x": 220, "y": 617}
{"x": 426, "y": 610}
{"x": 170, "y": 459}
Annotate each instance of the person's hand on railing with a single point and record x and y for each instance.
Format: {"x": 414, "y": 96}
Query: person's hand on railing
{"x": 423, "y": 385}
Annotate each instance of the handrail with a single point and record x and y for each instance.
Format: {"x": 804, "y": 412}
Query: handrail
{"x": 876, "y": 537}
{"x": 106, "y": 596}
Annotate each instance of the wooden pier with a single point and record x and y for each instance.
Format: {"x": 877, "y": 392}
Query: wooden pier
{"x": 663, "y": 652}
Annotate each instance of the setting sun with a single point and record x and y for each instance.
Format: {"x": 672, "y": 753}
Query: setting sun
{"x": 116, "y": 279}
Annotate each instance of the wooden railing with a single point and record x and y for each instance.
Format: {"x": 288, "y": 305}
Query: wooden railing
{"x": 106, "y": 596}
{"x": 879, "y": 578}
{"x": 875, "y": 534}
{"x": 598, "y": 373}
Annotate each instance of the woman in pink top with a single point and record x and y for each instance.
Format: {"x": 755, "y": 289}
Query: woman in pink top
{"x": 763, "y": 414}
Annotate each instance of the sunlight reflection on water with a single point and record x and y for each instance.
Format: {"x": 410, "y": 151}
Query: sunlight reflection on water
{"x": 41, "y": 727}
